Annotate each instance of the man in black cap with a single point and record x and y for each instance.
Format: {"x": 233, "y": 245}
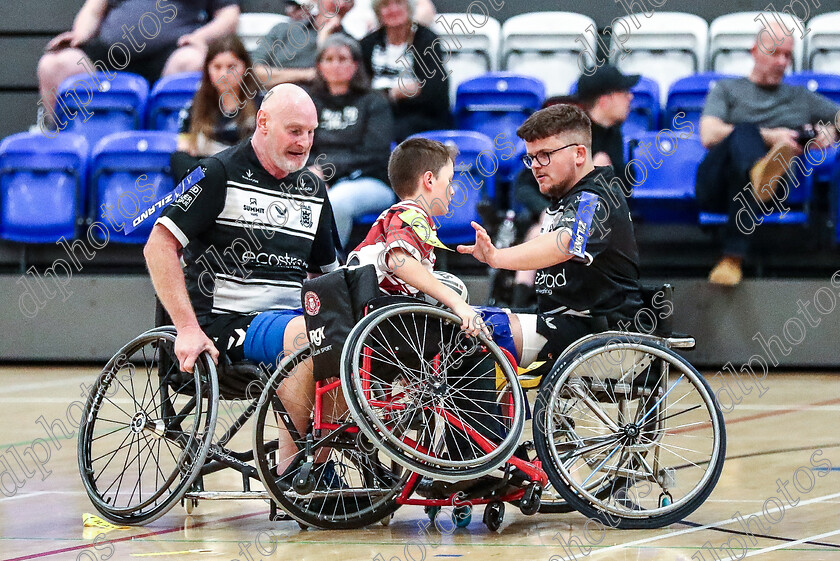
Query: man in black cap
{"x": 605, "y": 96}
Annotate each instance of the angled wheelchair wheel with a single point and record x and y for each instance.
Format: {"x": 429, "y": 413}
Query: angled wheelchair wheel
{"x": 146, "y": 429}
{"x": 334, "y": 479}
{"x": 629, "y": 433}
{"x": 428, "y": 396}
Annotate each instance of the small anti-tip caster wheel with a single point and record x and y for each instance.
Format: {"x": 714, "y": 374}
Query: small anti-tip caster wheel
{"x": 494, "y": 515}
{"x": 462, "y": 515}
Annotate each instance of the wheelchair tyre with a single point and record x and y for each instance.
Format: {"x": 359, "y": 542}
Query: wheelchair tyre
{"x": 622, "y": 421}
{"x": 367, "y": 483}
{"x": 146, "y": 429}
{"x": 409, "y": 398}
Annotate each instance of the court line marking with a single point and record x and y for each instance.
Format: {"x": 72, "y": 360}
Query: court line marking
{"x": 129, "y": 538}
{"x": 784, "y": 411}
{"x": 763, "y": 536}
{"x": 782, "y": 545}
{"x": 711, "y": 525}
{"x": 50, "y": 383}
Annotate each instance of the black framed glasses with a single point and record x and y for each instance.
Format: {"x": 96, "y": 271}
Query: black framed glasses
{"x": 543, "y": 158}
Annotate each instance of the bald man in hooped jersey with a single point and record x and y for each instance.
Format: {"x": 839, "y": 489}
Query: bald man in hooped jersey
{"x": 248, "y": 231}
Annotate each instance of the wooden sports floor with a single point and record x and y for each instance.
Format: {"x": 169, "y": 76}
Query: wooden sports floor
{"x": 782, "y": 467}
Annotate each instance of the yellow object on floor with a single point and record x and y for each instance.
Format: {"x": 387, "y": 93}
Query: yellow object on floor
{"x": 93, "y": 521}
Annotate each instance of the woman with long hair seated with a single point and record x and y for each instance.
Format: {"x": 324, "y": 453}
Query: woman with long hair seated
{"x": 400, "y": 55}
{"x": 220, "y": 115}
{"x": 353, "y": 140}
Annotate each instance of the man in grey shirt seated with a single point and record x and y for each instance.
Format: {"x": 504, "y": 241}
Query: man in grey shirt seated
{"x": 751, "y": 128}
{"x": 287, "y": 52}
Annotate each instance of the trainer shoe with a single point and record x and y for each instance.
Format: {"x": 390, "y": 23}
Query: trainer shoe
{"x": 327, "y": 476}
{"x": 727, "y": 272}
{"x": 766, "y": 172}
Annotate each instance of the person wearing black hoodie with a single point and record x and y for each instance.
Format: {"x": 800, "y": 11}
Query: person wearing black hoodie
{"x": 404, "y": 60}
{"x": 353, "y": 140}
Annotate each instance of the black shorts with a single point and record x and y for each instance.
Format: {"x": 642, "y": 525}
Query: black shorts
{"x": 561, "y": 330}
{"x": 148, "y": 64}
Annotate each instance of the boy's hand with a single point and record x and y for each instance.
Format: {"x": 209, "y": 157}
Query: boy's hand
{"x": 471, "y": 321}
{"x": 483, "y": 250}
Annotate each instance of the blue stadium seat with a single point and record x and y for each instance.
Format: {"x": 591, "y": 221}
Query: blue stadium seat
{"x": 689, "y": 96}
{"x": 42, "y": 186}
{"x": 497, "y": 103}
{"x": 644, "y": 109}
{"x": 825, "y": 84}
{"x": 798, "y": 200}
{"x": 829, "y": 86}
{"x": 120, "y": 107}
{"x": 129, "y": 170}
{"x": 472, "y": 182}
{"x": 834, "y": 199}
{"x": 667, "y": 193}
{"x": 169, "y": 95}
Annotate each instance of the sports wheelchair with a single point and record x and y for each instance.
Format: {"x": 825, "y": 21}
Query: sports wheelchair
{"x": 622, "y": 428}
{"x": 147, "y": 441}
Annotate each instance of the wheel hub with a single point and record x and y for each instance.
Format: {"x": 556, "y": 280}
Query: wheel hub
{"x": 631, "y": 432}
{"x": 138, "y": 422}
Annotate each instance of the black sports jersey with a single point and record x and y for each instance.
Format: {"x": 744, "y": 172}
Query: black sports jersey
{"x": 250, "y": 238}
{"x": 607, "y": 282}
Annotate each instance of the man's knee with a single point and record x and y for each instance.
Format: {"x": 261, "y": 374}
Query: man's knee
{"x": 184, "y": 59}
{"x": 60, "y": 64}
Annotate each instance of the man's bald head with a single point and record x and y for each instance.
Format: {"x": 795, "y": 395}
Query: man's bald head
{"x": 286, "y": 123}
{"x": 772, "y": 53}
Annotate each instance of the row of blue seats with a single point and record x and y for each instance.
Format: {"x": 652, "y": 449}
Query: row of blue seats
{"x": 97, "y": 108}
{"x": 50, "y": 190}
{"x": 127, "y": 104}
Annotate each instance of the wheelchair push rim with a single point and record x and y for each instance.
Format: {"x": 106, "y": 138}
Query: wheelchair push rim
{"x": 631, "y": 433}
{"x": 361, "y": 488}
{"x": 146, "y": 429}
{"x": 423, "y": 396}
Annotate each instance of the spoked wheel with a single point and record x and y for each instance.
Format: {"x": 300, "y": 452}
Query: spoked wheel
{"x": 333, "y": 479}
{"x": 146, "y": 429}
{"x": 426, "y": 395}
{"x": 621, "y": 424}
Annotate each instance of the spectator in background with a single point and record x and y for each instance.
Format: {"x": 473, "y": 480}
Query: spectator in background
{"x": 605, "y": 96}
{"x": 213, "y": 121}
{"x": 280, "y": 58}
{"x": 405, "y": 63}
{"x": 157, "y": 37}
{"x": 750, "y": 127}
{"x": 354, "y": 133}
{"x": 361, "y": 20}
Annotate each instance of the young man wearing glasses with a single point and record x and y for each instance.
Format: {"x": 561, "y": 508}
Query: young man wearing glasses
{"x": 587, "y": 276}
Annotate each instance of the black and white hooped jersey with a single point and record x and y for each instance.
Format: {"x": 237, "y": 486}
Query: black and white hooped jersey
{"x": 250, "y": 238}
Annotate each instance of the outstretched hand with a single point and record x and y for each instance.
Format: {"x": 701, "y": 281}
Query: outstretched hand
{"x": 483, "y": 249}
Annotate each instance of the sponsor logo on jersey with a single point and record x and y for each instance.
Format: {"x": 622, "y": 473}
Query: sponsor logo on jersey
{"x": 253, "y": 207}
{"x": 273, "y": 259}
{"x": 249, "y": 176}
{"x": 185, "y": 201}
{"x": 550, "y": 281}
